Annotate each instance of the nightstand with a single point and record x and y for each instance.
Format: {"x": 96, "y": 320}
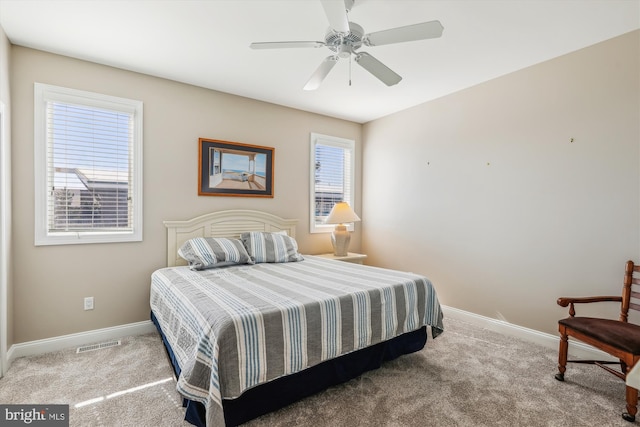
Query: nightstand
{"x": 349, "y": 257}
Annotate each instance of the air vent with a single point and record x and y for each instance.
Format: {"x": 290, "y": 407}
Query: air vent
{"x": 99, "y": 346}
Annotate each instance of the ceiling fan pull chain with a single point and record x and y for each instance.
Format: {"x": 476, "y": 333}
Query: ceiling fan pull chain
{"x": 350, "y": 61}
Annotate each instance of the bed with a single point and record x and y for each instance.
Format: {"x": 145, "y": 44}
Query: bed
{"x": 249, "y": 337}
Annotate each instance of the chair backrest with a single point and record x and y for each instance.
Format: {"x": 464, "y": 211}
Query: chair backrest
{"x": 630, "y": 290}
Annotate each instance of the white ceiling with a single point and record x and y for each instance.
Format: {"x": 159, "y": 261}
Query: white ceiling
{"x": 206, "y": 43}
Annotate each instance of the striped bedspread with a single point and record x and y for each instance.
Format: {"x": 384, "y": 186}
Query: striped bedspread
{"x": 236, "y": 327}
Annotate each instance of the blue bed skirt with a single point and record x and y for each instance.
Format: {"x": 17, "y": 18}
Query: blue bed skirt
{"x": 283, "y": 391}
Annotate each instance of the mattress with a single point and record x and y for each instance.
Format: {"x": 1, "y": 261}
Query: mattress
{"x": 234, "y": 328}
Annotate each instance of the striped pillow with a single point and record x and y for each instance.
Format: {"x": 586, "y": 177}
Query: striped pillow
{"x": 270, "y": 247}
{"x": 208, "y": 252}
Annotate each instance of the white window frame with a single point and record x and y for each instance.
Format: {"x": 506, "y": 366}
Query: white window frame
{"x": 44, "y": 93}
{"x": 347, "y": 145}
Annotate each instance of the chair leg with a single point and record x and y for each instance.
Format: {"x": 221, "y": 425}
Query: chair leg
{"x": 632, "y": 404}
{"x": 562, "y": 356}
{"x": 623, "y": 367}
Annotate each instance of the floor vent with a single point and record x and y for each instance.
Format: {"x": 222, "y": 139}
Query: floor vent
{"x": 100, "y": 346}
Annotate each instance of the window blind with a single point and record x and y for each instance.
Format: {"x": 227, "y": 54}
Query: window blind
{"x": 88, "y": 167}
{"x": 332, "y": 176}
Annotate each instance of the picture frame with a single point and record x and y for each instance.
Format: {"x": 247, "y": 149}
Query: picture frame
{"x": 234, "y": 169}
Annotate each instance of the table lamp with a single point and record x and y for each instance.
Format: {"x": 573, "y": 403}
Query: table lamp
{"x": 340, "y": 214}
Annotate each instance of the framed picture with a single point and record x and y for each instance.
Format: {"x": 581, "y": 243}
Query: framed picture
{"x": 234, "y": 169}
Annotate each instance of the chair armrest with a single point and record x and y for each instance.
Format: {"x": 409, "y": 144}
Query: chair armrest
{"x": 568, "y": 301}
{"x": 565, "y": 301}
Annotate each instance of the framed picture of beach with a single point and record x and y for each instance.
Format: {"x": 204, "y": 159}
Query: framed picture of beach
{"x": 234, "y": 169}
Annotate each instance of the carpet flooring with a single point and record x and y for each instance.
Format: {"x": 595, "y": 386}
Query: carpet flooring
{"x": 468, "y": 376}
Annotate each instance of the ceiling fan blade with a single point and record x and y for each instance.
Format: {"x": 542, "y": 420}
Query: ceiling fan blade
{"x": 321, "y": 73}
{"x": 336, "y": 12}
{"x": 284, "y": 45}
{"x": 378, "y": 69}
{"x": 425, "y": 30}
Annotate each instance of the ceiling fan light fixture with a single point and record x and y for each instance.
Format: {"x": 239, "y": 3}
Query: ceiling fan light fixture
{"x": 344, "y": 51}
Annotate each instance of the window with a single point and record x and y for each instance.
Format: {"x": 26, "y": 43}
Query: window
{"x": 88, "y": 167}
{"x": 332, "y": 177}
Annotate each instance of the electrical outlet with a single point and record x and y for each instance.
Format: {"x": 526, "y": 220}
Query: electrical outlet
{"x": 88, "y": 303}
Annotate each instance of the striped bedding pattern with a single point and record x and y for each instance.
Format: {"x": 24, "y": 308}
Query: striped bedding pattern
{"x": 236, "y": 327}
{"x": 270, "y": 247}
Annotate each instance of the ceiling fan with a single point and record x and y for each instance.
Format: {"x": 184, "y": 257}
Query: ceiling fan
{"x": 344, "y": 38}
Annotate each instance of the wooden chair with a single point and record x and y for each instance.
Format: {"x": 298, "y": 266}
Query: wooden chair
{"x": 618, "y": 338}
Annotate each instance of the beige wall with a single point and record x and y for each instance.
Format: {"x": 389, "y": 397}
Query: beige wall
{"x": 484, "y": 192}
{"x": 51, "y": 282}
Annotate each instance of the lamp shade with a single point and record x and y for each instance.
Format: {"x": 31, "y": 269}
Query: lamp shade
{"x": 341, "y": 213}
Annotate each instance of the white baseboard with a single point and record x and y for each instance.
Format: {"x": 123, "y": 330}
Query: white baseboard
{"x": 577, "y": 349}
{"x": 47, "y": 345}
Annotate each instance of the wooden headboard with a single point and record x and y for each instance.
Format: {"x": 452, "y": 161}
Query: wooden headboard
{"x": 229, "y": 223}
